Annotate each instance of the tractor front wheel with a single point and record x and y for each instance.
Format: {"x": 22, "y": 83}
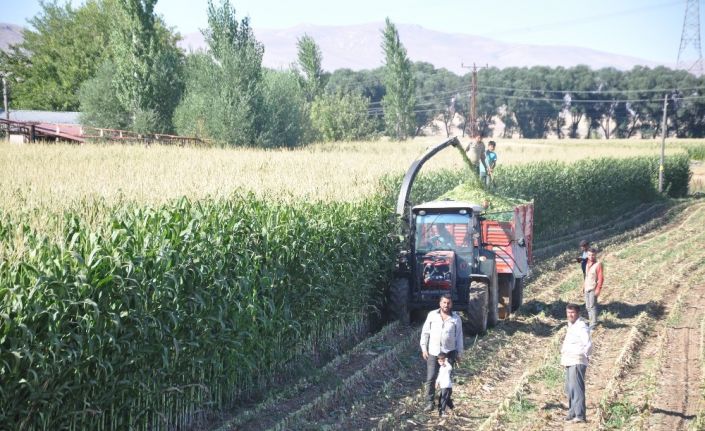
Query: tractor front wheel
{"x": 399, "y": 300}
{"x": 478, "y": 307}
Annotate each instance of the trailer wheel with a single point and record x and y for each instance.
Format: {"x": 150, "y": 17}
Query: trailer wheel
{"x": 506, "y": 296}
{"x": 477, "y": 307}
{"x": 517, "y": 294}
{"x": 399, "y": 300}
{"x": 493, "y": 307}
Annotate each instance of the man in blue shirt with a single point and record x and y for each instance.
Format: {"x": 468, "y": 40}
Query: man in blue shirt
{"x": 490, "y": 161}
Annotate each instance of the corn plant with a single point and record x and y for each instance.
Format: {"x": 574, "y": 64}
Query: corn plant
{"x": 160, "y": 312}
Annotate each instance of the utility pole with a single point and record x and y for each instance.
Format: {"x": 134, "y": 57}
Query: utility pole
{"x": 663, "y": 144}
{"x": 472, "y": 129}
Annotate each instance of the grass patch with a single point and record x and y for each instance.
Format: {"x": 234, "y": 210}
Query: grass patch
{"x": 676, "y": 314}
{"x": 550, "y": 375}
{"x": 518, "y": 409}
{"x": 619, "y": 413}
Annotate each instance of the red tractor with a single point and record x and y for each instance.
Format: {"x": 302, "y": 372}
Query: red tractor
{"x": 452, "y": 247}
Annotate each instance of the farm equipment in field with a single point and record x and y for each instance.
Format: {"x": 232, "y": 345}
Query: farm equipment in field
{"x": 453, "y": 247}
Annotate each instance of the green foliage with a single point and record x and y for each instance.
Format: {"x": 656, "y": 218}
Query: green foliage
{"x": 695, "y": 152}
{"x": 368, "y": 83}
{"x": 677, "y": 176}
{"x": 62, "y": 49}
{"x": 285, "y": 111}
{"x": 99, "y": 104}
{"x": 340, "y": 117}
{"x": 618, "y": 414}
{"x": 224, "y": 85}
{"x": 436, "y": 97}
{"x": 148, "y": 65}
{"x": 399, "y": 100}
{"x": 566, "y": 194}
{"x": 309, "y": 61}
{"x": 228, "y": 96}
{"x": 136, "y": 321}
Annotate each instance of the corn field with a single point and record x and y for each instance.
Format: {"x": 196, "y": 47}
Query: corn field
{"x": 162, "y": 312}
{"x": 116, "y": 314}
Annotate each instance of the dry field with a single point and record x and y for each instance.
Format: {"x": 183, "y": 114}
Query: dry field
{"x": 55, "y": 175}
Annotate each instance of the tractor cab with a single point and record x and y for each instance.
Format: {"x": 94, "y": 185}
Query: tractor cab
{"x": 445, "y": 242}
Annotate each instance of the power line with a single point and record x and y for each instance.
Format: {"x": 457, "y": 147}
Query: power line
{"x": 654, "y": 90}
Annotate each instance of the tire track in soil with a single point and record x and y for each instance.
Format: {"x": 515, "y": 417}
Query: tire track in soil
{"x": 487, "y": 383}
{"x": 607, "y": 342}
{"x": 678, "y": 396}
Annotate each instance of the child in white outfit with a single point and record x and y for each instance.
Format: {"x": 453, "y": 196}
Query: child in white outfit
{"x": 444, "y": 382}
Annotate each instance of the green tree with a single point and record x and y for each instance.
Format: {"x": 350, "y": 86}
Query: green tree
{"x": 530, "y": 103}
{"x": 311, "y": 72}
{"x": 399, "y": 100}
{"x": 101, "y": 108}
{"x": 341, "y": 117}
{"x": 148, "y": 66}
{"x": 368, "y": 83}
{"x": 224, "y": 85}
{"x": 229, "y": 96}
{"x": 60, "y": 51}
{"x": 435, "y": 96}
{"x": 285, "y": 111}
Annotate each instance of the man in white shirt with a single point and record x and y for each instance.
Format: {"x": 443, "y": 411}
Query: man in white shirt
{"x": 441, "y": 333}
{"x": 575, "y": 354}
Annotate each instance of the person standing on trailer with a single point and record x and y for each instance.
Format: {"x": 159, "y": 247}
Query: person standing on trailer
{"x": 487, "y": 169}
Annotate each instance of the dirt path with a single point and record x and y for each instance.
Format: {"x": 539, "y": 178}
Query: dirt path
{"x": 678, "y": 393}
{"x": 631, "y": 270}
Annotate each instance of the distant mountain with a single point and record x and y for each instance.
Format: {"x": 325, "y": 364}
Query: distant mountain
{"x": 10, "y": 34}
{"x": 359, "y": 47}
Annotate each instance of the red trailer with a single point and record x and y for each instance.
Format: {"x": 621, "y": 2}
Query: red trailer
{"x": 511, "y": 241}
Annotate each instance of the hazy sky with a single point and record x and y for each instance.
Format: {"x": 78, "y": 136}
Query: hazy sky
{"x": 648, "y": 29}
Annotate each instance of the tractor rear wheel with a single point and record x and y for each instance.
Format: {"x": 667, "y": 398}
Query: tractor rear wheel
{"x": 505, "y": 296}
{"x": 517, "y": 294}
{"x": 477, "y": 307}
{"x": 399, "y": 300}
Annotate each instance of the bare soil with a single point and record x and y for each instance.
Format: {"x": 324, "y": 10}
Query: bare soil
{"x": 678, "y": 397}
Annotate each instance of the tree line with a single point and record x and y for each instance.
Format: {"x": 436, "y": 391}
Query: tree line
{"x": 118, "y": 63}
